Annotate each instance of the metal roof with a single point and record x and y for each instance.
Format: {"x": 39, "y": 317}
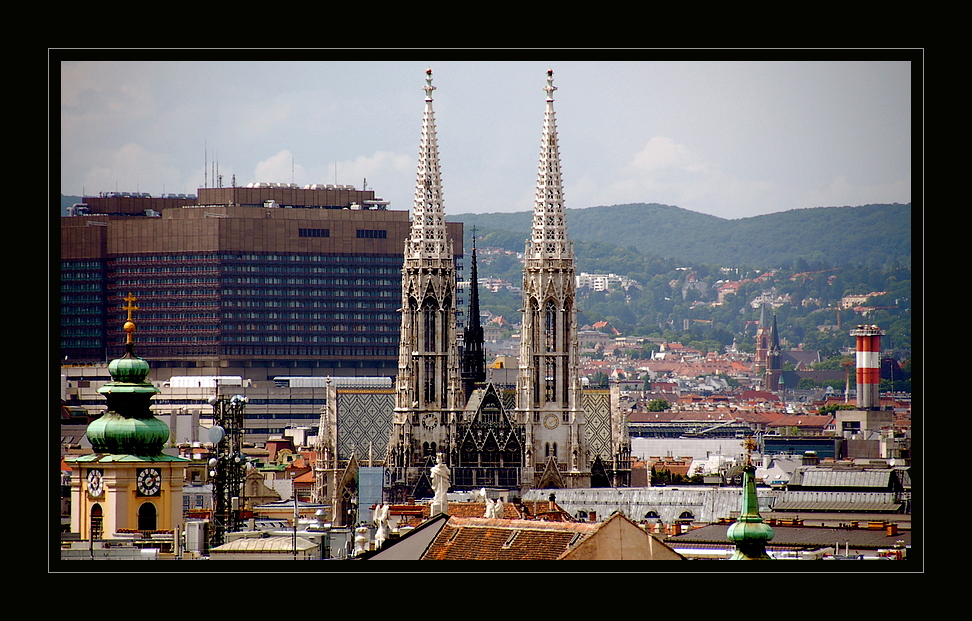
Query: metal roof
{"x": 813, "y": 477}
{"x": 830, "y": 506}
{"x": 265, "y": 544}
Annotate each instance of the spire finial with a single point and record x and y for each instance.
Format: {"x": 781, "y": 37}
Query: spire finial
{"x": 428, "y": 88}
{"x": 129, "y": 326}
{"x": 428, "y": 232}
{"x": 550, "y": 88}
{"x": 749, "y": 444}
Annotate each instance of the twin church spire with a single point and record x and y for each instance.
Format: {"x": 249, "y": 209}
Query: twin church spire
{"x": 433, "y": 384}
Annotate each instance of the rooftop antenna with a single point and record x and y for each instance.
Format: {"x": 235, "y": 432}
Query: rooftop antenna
{"x": 205, "y": 165}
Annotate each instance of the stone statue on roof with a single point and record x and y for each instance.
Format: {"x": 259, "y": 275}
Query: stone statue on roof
{"x": 381, "y": 521}
{"x": 440, "y": 484}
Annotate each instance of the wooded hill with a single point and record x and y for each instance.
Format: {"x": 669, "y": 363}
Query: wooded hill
{"x": 876, "y": 236}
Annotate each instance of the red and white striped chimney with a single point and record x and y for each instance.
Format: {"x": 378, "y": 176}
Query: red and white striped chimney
{"x": 868, "y": 365}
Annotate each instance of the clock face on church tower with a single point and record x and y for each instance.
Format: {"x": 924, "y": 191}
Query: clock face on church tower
{"x": 148, "y": 481}
{"x": 95, "y": 483}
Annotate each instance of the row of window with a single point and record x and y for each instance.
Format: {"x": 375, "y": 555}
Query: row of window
{"x": 284, "y": 258}
{"x": 331, "y": 327}
{"x": 343, "y": 351}
{"x": 159, "y": 282}
{"x": 367, "y": 270}
{"x": 296, "y": 338}
{"x": 273, "y": 280}
{"x": 316, "y": 258}
{"x": 309, "y": 316}
{"x": 168, "y": 268}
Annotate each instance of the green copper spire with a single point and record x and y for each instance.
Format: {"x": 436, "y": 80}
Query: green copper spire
{"x": 128, "y": 427}
{"x": 749, "y": 532}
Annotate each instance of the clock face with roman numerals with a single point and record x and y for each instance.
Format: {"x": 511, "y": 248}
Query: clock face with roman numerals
{"x": 95, "y": 483}
{"x": 430, "y": 421}
{"x": 148, "y": 481}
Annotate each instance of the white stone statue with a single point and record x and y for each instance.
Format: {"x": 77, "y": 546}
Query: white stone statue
{"x": 381, "y": 521}
{"x": 360, "y": 540}
{"x": 440, "y": 485}
{"x": 494, "y": 508}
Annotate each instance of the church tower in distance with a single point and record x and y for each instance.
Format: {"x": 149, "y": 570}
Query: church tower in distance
{"x": 548, "y": 385}
{"x": 428, "y": 388}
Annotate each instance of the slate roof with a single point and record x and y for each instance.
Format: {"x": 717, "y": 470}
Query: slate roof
{"x": 829, "y": 478}
{"x": 806, "y": 537}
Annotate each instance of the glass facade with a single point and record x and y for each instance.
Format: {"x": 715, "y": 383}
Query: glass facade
{"x": 231, "y": 305}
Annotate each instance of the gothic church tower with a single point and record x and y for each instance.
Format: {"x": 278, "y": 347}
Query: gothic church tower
{"x": 428, "y": 388}
{"x": 548, "y": 386}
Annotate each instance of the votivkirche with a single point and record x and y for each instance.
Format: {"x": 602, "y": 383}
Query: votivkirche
{"x": 545, "y": 431}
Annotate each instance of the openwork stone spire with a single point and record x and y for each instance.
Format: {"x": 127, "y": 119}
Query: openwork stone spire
{"x": 428, "y": 388}
{"x": 428, "y": 237}
{"x": 548, "y": 385}
{"x": 549, "y": 235}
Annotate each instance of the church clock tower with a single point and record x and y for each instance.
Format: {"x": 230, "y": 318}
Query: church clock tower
{"x": 127, "y": 484}
{"x": 548, "y": 386}
{"x": 428, "y": 386}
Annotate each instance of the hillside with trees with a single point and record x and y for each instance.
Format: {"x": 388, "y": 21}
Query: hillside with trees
{"x": 813, "y": 259}
{"x": 873, "y": 235}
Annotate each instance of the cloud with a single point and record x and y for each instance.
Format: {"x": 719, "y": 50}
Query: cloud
{"x": 382, "y": 170}
{"x": 279, "y": 168}
{"x": 134, "y": 168}
{"x": 382, "y": 162}
{"x": 664, "y": 155}
{"x": 668, "y": 172}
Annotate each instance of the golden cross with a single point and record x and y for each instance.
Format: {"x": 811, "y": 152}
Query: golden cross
{"x": 749, "y": 444}
{"x": 129, "y": 325}
{"x": 131, "y": 305}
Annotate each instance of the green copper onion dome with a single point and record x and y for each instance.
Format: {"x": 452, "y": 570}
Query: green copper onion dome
{"x": 128, "y": 427}
{"x": 128, "y": 369}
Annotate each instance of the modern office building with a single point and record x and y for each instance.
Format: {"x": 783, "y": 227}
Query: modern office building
{"x": 257, "y": 281}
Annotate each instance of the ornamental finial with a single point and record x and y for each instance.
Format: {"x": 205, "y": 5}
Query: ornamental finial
{"x": 129, "y": 326}
{"x": 749, "y": 444}
{"x": 428, "y": 85}
{"x": 550, "y": 88}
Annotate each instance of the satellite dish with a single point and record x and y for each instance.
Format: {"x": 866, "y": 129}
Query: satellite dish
{"x": 216, "y": 433}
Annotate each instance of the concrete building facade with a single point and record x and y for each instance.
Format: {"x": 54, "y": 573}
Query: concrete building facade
{"x": 258, "y": 281}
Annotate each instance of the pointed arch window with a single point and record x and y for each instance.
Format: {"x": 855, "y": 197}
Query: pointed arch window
{"x": 429, "y": 315}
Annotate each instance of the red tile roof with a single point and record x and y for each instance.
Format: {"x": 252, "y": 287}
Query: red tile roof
{"x": 484, "y": 539}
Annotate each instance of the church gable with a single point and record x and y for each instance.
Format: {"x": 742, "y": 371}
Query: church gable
{"x": 551, "y": 479}
{"x": 486, "y": 423}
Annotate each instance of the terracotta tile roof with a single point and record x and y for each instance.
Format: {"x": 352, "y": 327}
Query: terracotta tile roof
{"x": 489, "y": 539}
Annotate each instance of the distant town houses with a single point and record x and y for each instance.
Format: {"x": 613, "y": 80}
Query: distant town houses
{"x": 605, "y": 282}
{"x": 770, "y": 298}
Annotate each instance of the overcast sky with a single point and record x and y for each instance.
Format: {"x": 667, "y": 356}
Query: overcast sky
{"x": 731, "y": 139}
